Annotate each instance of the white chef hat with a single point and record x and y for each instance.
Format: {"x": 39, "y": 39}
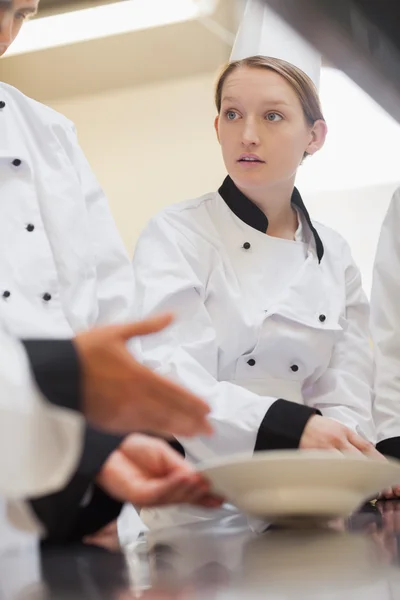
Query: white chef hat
{"x": 264, "y": 32}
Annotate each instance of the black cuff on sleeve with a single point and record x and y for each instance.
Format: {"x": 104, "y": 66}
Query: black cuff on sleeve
{"x": 101, "y": 511}
{"x": 283, "y": 426}
{"x": 177, "y": 446}
{"x": 97, "y": 448}
{"x": 55, "y": 366}
{"x": 390, "y": 447}
{"x": 62, "y": 514}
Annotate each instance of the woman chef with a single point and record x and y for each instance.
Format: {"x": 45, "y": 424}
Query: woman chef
{"x": 272, "y": 324}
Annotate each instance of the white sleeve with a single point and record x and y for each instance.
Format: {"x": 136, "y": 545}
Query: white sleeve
{"x": 385, "y": 328}
{"x": 40, "y": 444}
{"x": 114, "y": 269}
{"x": 167, "y": 269}
{"x": 344, "y": 391}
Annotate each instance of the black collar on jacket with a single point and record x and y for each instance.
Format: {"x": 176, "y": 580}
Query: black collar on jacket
{"x": 250, "y": 214}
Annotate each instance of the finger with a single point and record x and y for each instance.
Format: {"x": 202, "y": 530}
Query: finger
{"x": 184, "y": 490}
{"x": 163, "y": 396}
{"x": 96, "y": 540}
{"x": 145, "y": 327}
{"x": 155, "y": 419}
{"x": 160, "y": 491}
{"x": 198, "y": 492}
{"x": 348, "y": 448}
{"x": 182, "y": 426}
{"x": 200, "y": 495}
{"x": 163, "y": 391}
{"x": 155, "y": 456}
{"x": 388, "y": 521}
{"x": 210, "y": 501}
{"x": 106, "y": 542}
{"x": 188, "y": 493}
{"x": 162, "y": 417}
{"x": 363, "y": 445}
{"x": 387, "y": 494}
{"x": 178, "y": 396}
{"x": 173, "y": 462}
{"x": 372, "y": 452}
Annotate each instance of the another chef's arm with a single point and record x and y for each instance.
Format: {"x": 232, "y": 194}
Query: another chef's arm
{"x": 50, "y": 457}
{"x": 81, "y": 507}
{"x": 385, "y": 329}
{"x": 40, "y": 444}
{"x": 168, "y": 274}
{"x": 344, "y": 391}
{"x": 113, "y": 266}
{"x": 115, "y": 390}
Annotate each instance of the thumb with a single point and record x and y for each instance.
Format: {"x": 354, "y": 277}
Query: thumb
{"x": 146, "y": 327}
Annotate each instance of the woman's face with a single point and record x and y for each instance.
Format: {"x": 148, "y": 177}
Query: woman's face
{"x": 262, "y": 129}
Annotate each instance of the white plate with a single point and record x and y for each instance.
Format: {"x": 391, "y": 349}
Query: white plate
{"x": 288, "y": 484}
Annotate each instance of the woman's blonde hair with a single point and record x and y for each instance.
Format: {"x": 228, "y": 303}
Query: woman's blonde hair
{"x": 300, "y": 82}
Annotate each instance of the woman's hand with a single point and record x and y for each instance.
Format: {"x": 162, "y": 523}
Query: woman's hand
{"x": 323, "y": 433}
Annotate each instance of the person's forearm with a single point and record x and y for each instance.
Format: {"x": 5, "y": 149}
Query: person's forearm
{"x": 40, "y": 444}
{"x": 81, "y": 508}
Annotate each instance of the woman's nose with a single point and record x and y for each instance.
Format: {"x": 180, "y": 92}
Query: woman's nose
{"x": 250, "y": 134}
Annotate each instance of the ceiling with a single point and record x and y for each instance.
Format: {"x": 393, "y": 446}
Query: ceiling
{"x": 48, "y": 7}
{"x": 118, "y": 61}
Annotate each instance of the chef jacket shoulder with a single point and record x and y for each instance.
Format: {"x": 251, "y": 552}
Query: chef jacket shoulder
{"x": 194, "y": 223}
{"x": 195, "y": 210}
{"x": 32, "y": 109}
{"x": 201, "y": 221}
{"x": 189, "y": 235}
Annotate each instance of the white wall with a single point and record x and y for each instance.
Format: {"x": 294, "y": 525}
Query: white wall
{"x": 150, "y": 146}
{"x": 155, "y": 145}
{"x": 357, "y": 214}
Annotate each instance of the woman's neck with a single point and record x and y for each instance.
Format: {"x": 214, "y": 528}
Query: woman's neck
{"x": 275, "y": 203}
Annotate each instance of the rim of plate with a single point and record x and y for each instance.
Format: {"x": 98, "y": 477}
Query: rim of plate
{"x": 286, "y": 455}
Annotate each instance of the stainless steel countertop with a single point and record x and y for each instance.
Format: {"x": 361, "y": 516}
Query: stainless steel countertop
{"x": 356, "y": 559}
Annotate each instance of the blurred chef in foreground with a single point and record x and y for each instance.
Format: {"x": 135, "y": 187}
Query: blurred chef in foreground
{"x": 63, "y": 271}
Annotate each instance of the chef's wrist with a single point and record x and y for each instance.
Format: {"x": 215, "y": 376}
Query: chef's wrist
{"x": 98, "y": 446}
{"x": 80, "y": 506}
{"x": 56, "y": 368}
{"x": 283, "y": 425}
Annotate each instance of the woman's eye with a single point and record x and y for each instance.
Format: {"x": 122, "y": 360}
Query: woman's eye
{"x": 274, "y": 117}
{"x": 231, "y": 115}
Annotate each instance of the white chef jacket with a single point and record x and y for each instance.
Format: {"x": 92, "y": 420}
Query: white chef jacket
{"x": 63, "y": 266}
{"x": 260, "y": 321}
{"x": 385, "y": 329}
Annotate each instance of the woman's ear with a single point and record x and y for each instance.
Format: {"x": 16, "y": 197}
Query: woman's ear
{"x": 318, "y": 135}
{"x": 216, "y": 127}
